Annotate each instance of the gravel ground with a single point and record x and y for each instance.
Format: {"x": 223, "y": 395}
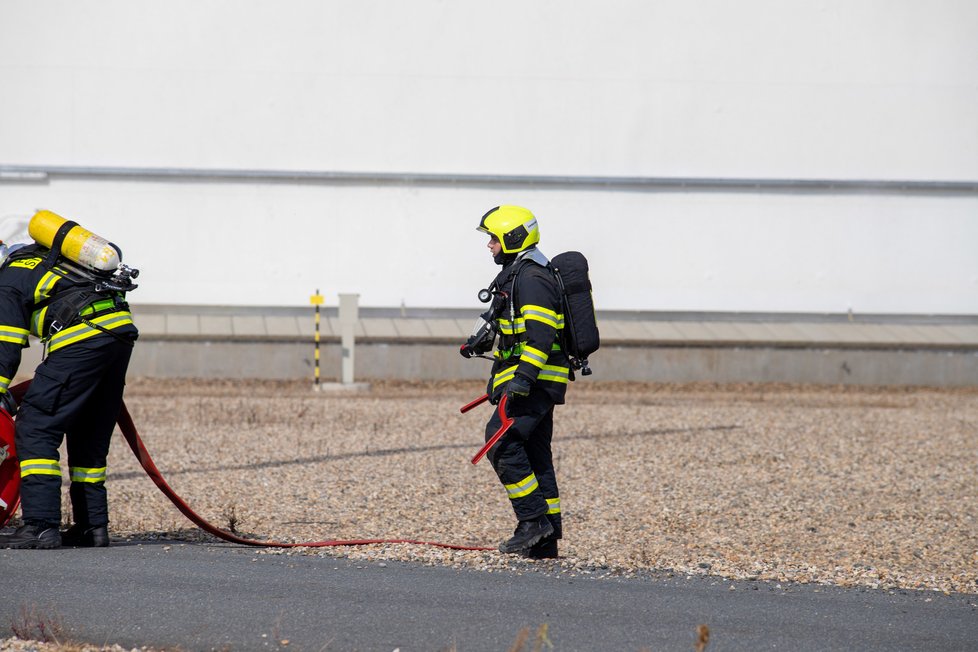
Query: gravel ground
{"x": 844, "y": 486}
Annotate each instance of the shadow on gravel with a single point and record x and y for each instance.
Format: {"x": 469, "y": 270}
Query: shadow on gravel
{"x": 387, "y": 452}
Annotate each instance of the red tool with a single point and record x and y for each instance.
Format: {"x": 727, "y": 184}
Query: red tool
{"x": 506, "y": 423}
{"x": 479, "y": 401}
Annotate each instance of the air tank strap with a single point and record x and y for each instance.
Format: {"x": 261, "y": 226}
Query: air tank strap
{"x": 56, "y": 242}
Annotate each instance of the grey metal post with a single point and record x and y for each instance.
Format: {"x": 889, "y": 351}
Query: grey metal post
{"x": 349, "y": 314}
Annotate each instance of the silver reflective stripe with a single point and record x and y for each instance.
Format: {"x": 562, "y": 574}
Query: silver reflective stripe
{"x": 525, "y": 486}
{"x": 533, "y": 356}
{"x": 82, "y": 474}
{"x": 39, "y": 467}
{"x": 13, "y": 335}
{"x": 555, "y": 374}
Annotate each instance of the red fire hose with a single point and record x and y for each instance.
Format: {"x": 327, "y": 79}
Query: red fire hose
{"x": 128, "y": 429}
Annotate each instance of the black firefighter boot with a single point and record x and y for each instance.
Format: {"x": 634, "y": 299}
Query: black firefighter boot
{"x": 81, "y": 535}
{"x": 32, "y": 535}
{"x": 545, "y": 548}
{"x": 526, "y": 534}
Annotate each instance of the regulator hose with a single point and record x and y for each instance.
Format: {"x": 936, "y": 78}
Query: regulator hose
{"x": 135, "y": 442}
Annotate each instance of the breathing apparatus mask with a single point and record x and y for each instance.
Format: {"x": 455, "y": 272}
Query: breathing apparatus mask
{"x": 13, "y": 235}
{"x": 484, "y": 332}
{"x": 7, "y": 249}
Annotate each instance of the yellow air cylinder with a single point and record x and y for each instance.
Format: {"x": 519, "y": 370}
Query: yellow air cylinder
{"x": 80, "y": 245}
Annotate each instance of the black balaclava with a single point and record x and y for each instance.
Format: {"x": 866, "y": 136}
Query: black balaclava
{"x": 503, "y": 258}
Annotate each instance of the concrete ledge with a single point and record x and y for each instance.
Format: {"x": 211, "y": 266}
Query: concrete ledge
{"x": 254, "y": 342}
{"x": 414, "y": 361}
{"x": 800, "y": 331}
{"x": 341, "y": 388}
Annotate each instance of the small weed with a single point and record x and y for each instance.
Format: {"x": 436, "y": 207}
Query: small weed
{"x": 520, "y": 640}
{"x": 702, "y": 637}
{"x": 31, "y": 624}
{"x": 542, "y": 639}
{"x": 539, "y": 640}
{"x": 66, "y": 510}
{"x": 231, "y": 516}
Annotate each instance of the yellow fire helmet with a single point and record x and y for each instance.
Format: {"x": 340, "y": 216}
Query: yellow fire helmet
{"x": 514, "y": 227}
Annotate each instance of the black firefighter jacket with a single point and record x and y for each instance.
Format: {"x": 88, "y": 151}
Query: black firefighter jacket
{"x": 530, "y": 326}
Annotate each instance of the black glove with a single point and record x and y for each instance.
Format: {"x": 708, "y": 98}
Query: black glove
{"x": 8, "y": 403}
{"x": 519, "y": 386}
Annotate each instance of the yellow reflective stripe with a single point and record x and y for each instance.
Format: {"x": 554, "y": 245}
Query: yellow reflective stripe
{"x": 37, "y": 320}
{"x": 4, "y": 384}
{"x": 536, "y": 357}
{"x": 43, "y": 289}
{"x": 507, "y": 327}
{"x": 525, "y": 486}
{"x": 554, "y": 505}
{"x": 14, "y": 335}
{"x": 39, "y": 467}
{"x": 504, "y": 376}
{"x": 555, "y": 374}
{"x": 541, "y": 314}
{"x": 528, "y": 308}
{"x": 83, "y": 331}
{"x": 83, "y": 474}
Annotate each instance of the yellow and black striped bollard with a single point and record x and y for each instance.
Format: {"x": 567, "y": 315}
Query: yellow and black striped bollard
{"x": 316, "y": 300}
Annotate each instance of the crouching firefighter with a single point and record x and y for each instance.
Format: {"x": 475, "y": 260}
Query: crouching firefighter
{"x": 531, "y": 369}
{"x": 68, "y": 289}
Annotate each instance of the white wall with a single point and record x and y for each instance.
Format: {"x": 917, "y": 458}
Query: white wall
{"x": 275, "y": 244}
{"x": 864, "y": 89}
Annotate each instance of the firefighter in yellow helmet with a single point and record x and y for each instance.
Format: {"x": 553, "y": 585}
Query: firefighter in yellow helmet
{"x": 530, "y": 367}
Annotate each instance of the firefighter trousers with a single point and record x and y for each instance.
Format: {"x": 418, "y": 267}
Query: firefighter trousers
{"x": 76, "y": 394}
{"x": 523, "y": 459}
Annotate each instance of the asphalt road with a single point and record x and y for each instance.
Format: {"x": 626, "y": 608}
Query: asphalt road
{"x": 225, "y": 597}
